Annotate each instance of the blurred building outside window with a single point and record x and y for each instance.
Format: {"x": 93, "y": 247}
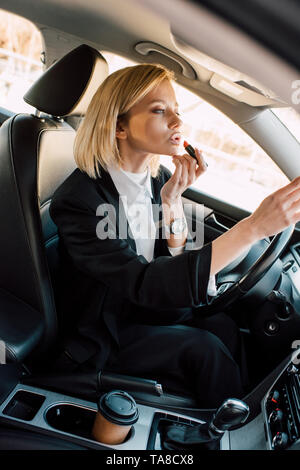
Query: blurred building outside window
{"x": 20, "y": 65}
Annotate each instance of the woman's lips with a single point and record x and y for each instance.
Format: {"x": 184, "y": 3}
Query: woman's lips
{"x": 175, "y": 139}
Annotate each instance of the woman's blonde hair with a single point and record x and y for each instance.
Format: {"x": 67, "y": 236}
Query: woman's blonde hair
{"x": 95, "y": 141}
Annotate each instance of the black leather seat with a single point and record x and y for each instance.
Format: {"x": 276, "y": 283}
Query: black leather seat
{"x": 36, "y": 155}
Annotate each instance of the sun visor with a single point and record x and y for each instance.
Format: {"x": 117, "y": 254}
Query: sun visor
{"x": 227, "y": 80}
{"x": 244, "y": 92}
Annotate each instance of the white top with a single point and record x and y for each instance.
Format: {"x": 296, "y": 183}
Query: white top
{"x": 135, "y": 192}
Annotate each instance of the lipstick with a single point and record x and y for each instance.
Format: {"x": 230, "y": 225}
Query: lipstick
{"x": 190, "y": 150}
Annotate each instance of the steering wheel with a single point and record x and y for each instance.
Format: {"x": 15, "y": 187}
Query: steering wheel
{"x": 254, "y": 274}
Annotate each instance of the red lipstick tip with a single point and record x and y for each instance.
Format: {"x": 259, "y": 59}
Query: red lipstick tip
{"x": 185, "y": 144}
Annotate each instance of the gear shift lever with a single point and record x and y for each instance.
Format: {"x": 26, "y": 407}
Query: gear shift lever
{"x": 231, "y": 413}
{"x": 205, "y": 436}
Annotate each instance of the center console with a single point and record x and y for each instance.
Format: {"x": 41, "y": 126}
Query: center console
{"x": 275, "y": 425}
{"x": 72, "y": 419}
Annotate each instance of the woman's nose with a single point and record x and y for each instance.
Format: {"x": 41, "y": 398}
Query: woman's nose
{"x": 175, "y": 122}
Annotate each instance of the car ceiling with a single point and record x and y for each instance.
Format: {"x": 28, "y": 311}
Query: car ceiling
{"x": 118, "y": 26}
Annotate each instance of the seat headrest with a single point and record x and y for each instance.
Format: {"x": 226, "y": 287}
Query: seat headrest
{"x": 67, "y": 87}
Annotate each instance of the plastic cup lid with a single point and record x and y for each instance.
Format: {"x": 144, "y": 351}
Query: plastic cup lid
{"x": 118, "y": 407}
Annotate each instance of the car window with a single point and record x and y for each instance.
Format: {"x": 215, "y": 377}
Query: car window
{"x": 239, "y": 171}
{"x": 116, "y": 62}
{"x": 20, "y": 60}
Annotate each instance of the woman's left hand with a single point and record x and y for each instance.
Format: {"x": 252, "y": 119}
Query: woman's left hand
{"x": 186, "y": 172}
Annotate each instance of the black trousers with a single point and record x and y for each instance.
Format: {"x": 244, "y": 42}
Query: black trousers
{"x": 200, "y": 356}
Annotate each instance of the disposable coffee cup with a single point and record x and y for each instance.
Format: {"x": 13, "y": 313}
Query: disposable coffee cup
{"x": 117, "y": 412}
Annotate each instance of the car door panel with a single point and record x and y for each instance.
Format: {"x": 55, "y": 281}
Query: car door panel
{"x": 218, "y": 216}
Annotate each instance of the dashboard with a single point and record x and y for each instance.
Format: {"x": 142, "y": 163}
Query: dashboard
{"x": 281, "y": 409}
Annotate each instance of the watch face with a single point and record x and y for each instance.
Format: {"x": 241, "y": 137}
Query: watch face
{"x": 178, "y": 226}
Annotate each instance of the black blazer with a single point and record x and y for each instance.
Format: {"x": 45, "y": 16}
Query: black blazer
{"x": 103, "y": 284}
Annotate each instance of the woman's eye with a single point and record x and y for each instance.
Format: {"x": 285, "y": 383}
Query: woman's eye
{"x": 161, "y": 111}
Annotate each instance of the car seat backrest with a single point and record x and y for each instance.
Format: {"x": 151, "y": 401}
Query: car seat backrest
{"x": 36, "y": 155}
{"x": 56, "y": 162}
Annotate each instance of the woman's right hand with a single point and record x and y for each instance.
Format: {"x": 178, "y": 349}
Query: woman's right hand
{"x": 277, "y": 211}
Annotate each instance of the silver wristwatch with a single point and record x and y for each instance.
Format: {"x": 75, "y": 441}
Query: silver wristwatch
{"x": 176, "y": 227}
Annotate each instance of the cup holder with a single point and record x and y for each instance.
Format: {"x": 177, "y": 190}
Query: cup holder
{"x": 75, "y": 420}
{"x": 71, "y": 419}
{"x": 24, "y": 405}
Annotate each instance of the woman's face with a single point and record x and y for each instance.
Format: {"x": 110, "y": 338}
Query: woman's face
{"x": 153, "y": 125}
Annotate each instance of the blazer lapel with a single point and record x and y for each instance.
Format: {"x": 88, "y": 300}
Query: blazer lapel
{"x": 160, "y": 246}
{"x": 112, "y": 196}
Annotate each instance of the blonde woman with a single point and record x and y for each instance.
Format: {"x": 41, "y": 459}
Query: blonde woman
{"x": 130, "y": 287}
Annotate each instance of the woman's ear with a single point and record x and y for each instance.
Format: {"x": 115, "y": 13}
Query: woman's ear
{"x": 120, "y": 129}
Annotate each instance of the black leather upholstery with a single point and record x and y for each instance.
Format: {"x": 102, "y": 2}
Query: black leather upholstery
{"x": 68, "y": 85}
{"x": 36, "y": 155}
{"x": 23, "y": 268}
